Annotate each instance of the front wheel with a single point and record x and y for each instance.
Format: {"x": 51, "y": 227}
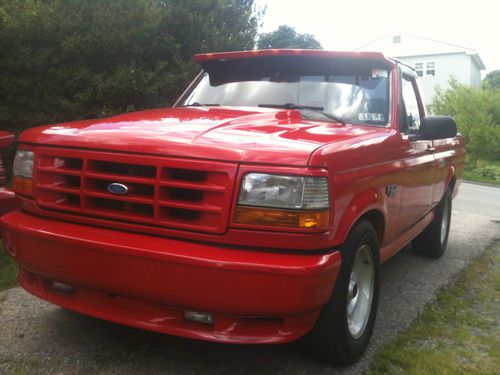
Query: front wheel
{"x": 433, "y": 240}
{"x": 345, "y": 324}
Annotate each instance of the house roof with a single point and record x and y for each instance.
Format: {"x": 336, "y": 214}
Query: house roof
{"x": 402, "y": 45}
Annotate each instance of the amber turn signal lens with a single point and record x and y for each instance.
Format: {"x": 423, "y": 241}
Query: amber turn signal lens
{"x": 22, "y": 185}
{"x": 282, "y": 218}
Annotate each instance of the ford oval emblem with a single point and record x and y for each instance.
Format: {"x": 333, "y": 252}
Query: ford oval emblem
{"x": 116, "y": 188}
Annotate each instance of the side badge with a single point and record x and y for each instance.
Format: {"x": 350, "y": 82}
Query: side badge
{"x": 390, "y": 190}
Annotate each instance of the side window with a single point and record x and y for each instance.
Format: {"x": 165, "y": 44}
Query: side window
{"x": 411, "y": 119}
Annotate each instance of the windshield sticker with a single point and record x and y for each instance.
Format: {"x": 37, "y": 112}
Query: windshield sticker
{"x": 370, "y": 116}
{"x": 379, "y": 73}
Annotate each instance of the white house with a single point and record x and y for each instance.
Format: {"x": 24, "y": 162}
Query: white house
{"x": 434, "y": 61}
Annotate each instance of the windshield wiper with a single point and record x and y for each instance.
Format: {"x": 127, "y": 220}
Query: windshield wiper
{"x": 291, "y": 106}
{"x": 305, "y": 108}
{"x": 197, "y": 104}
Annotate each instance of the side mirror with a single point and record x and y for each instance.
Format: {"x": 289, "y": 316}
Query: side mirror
{"x": 437, "y": 127}
{"x": 6, "y": 139}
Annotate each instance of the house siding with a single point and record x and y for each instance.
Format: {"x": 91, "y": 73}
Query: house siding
{"x": 475, "y": 74}
{"x": 451, "y": 60}
{"x": 458, "y": 65}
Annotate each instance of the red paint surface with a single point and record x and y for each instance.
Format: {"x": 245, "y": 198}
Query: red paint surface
{"x": 227, "y": 134}
{"x": 6, "y": 139}
{"x": 8, "y": 200}
{"x": 229, "y": 329}
{"x": 132, "y": 247}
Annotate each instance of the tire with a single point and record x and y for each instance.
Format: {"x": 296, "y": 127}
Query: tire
{"x": 345, "y": 325}
{"x": 433, "y": 240}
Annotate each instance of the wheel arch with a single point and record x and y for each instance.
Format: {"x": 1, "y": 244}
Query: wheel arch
{"x": 377, "y": 219}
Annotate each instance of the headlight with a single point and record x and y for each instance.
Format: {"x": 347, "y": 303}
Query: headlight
{"x": 292, "y": 192}
{"x": 23, "y": 173}
{"x": 283, "y": 201}
{"x": 23, "y": 164}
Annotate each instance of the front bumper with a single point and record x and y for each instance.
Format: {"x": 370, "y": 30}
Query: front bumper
{"x": 148, "y": 282}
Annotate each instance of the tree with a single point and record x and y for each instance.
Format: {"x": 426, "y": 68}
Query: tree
{"x": 212, "y": 25}
{"x": 473, "y": 109}
{"x": 492, "y": 83}
{"x": 286, "y": 37}
{"x": 492, "y": 79}
{"x": 69, "y": 59}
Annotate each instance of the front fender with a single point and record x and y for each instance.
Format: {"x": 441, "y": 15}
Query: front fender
{"x": 363, "y": 202}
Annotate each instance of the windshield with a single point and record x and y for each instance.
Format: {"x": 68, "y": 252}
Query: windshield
{"x": 356, "y": 99}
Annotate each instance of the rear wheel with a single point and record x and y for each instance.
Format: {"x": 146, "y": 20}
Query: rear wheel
{"x": 433, "y": 240}
{"x": 345, "y": 324}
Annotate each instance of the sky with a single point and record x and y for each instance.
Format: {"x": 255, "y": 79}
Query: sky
{"x": 348, "y": 24}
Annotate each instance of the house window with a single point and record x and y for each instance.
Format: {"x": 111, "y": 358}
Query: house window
{"x": 430, "y": 69}
{"x": 419, "y": 67}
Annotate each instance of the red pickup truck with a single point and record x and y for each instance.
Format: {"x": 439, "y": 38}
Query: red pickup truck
{"x": 7, "y": 198}
{"x": 256, "y": 210}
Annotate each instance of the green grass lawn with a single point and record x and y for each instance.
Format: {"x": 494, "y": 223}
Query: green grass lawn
{"x": 8, "y": 270}
{"x": 458, "y": 334}
{"x": 488, "y": 172}
{"x": 473, "y": 176}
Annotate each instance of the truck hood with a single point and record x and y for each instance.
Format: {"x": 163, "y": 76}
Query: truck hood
{"x": 221, "y": 133}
